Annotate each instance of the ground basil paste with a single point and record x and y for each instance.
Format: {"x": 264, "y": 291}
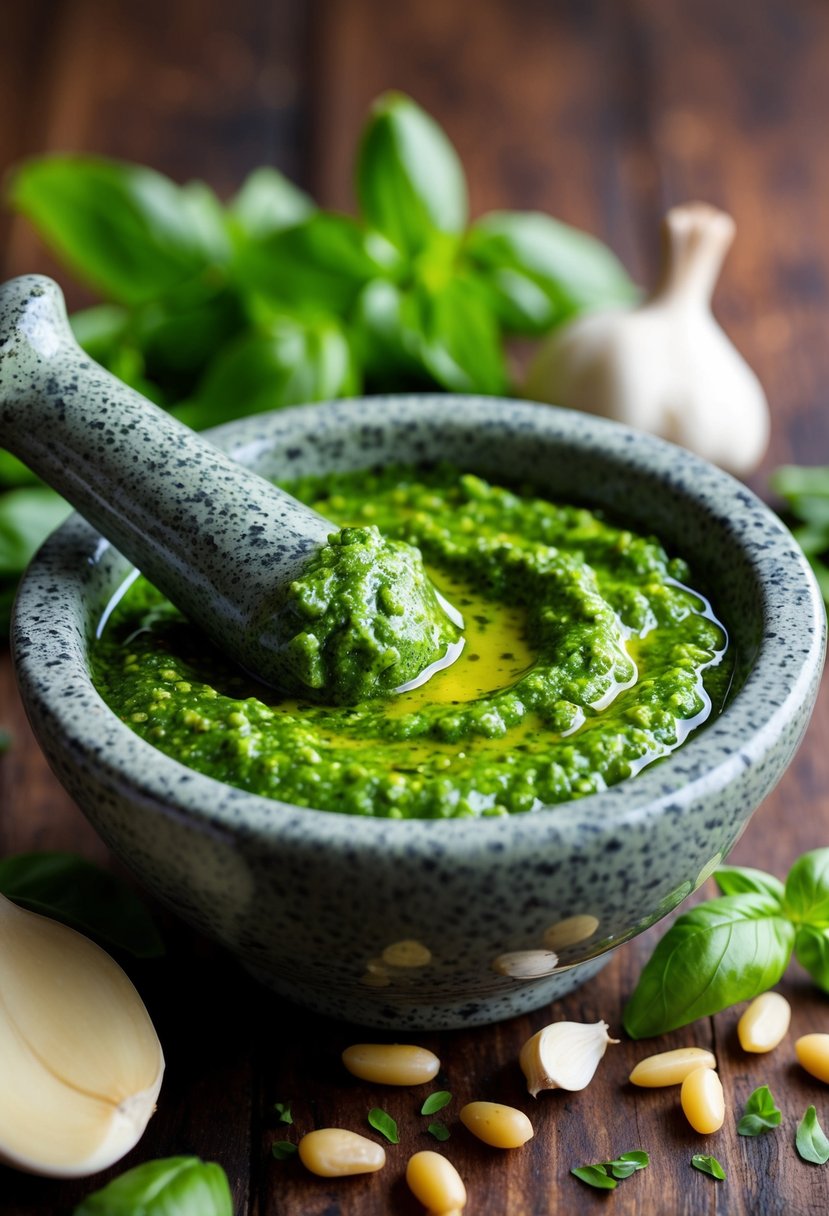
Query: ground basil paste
{"x": 585, "y": 658}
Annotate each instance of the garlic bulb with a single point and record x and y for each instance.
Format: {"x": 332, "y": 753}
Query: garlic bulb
{"x": 665, "y": 366}
{"x": 564, "y": 1055}
{"x": 80, "y": 1062}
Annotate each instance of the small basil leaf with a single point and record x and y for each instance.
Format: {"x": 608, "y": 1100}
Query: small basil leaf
{"x": 320, "y": 263}
{"x": 627, "y": 1164}
{"x": 78, "y": 893}
{"x": 283, "y": 1149}
{"x": 811, "y": 948}
{"x": 595, "y": 1175}
{"x": 812, "y": 540}
{"x": 439, "y": 1130}
{"x": 283, "y": 1110}
{"x": 436, "y": 1102}
{"x": 27, "y": 516}
{"x": 760, "y": 1115}
{"x": 292, "y": 363}
{"x": 384, "y": 325}
{"x": 384, "y": 1124}
{"x": 742, "y": 880}
{"x": 807, "y": 889}
{"x": 723, "y": 951}
{"x": 708, "y": 1165}
{"x": 266, "y": 203}
{"x": 126, "y": 230}
{"x": 100, "y": 330}
{"x": 574, "y": 270}
{"x": 180, "y": 334}
{"x": 810, "y": 1141}
{"x": 793, "y": 481}
{"x": 174, "y": 1186}
{"x": 410, "y": 182}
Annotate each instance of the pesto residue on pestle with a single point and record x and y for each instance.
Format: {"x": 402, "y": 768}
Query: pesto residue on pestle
{"x": 585, "y": 657}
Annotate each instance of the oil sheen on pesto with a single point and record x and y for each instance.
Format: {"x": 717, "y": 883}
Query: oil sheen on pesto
{"x": 585, "y": 657}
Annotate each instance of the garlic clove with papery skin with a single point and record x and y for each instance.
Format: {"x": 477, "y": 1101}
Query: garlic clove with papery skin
{"x": 666, "y": 366}
{"x": 80, "y": 1062}
{"x": 564, "y": 1055}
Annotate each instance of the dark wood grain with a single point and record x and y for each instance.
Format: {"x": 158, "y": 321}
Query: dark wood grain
{"x": 603, "y": 112}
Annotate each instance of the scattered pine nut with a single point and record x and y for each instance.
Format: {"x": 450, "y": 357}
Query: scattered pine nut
{"x": 333, "y": 1152}
{"x": 670, "y": 1067}
{"x": 764, "y": 1023}
{"x": 703, "y": 1101}
{"x": 499, "y": 1126}
{"x": 812, "y": 1051}
{"x": 436, "y": 1183}
{"x": 391, "y": 1063}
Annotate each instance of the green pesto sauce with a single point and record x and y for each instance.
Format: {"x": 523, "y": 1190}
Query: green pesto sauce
{"x": 586, "y": 656}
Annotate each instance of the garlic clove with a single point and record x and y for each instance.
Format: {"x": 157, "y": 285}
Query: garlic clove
{"x": 80, "y": 1061}
{"x": 564, "y": 1055}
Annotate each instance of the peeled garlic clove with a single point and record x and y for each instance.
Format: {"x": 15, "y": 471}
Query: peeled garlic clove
{"x": 80, "y": 1062}
{"x": 564, "y": 1055}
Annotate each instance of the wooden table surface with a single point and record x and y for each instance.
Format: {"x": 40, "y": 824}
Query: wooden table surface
{"x": 603, "y": 113}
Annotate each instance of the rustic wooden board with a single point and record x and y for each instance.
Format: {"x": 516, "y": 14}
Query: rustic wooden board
{"x": 603, "y": 113}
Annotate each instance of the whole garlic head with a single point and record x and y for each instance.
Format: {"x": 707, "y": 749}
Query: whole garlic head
{"x": 80, "y": 1062}
{"x": 666, "y": 366}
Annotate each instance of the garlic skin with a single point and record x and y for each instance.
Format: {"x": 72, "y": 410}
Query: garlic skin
{"x": 80, "y": 1061}
{"x": 564, "y": 1055}
{"x": 666, "y": 366}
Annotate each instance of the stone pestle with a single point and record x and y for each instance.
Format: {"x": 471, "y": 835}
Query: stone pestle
{"x": 222, "y": 543}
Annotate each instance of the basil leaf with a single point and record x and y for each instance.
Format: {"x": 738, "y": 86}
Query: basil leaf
{"x": 439, "y": 1130}
{"x": 810, "y": 1141}
{"x": 573, "y": 270}
{"x": 436, "y": 1102}
{"x": 456, "y": 337}
{"x": 292, "y": 363}
{"x": 126, "y": 230}
{"x": 410, "y": 182}
{"x": 807, "y": 889}
{"x": 266, "y": 203}
{"x": 283, "y": 1109}
{"x": 708, "y": 1165}
{"x": 742, "y": 880}
{"x": 792, "y": 481}
{"x": 283, "y": 1149}
{"x": 318, "y": 264}
{"x": 760, "y": 1115}
{"x": 384, "y": 1124}
{"x": 13, "y": 472}
{"x": 100, "y": 329}
{"x": 723, "y": 951}
{"x": 595, "y": 1175}
{"x": 811, "y": 948}
{"x": 180, "y": 334}
{"x": 27, "y": 516}
{"x": 627, "y": 1164}
{"x": 174, "y": 1186}
{"x": 78, "y": 893}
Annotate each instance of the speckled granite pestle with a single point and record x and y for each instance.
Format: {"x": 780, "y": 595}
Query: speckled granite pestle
{"x": 221, "y": 542}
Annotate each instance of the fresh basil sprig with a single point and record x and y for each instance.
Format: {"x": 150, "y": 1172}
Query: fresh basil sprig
{"x": 383, "y": 1123}
{"x": 761, "y": 1113}
{"x": 734, "y": 947}
{"x": 606, "y": 1175}
{"x": 173, "y": 1186}
{"x": 708, "y": 1165}
{"x": 811, "y": 1142}
{"x": 73, "y": 890}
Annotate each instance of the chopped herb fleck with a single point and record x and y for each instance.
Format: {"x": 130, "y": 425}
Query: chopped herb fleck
{"x": 811, "y": 1141}
{"x": 761, "y": 1113}
{"x": 708, "y": 1165}
{"x": 384, "y": 1124}
{"x": 436, "y": 1102}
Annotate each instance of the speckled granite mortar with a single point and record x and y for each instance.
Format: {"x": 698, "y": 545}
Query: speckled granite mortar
{"x": 309, "y": 900}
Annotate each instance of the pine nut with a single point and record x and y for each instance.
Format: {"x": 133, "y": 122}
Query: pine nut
{"x": 703, "y": 1101}
{"x": 408, "y": 953}
{"x": 391, "y": 1063}
{"x": 333, "y": 1152}
{"x": 764, "y": 1023}
{"x": 500, "y": 1126}
{"x": 569, "y": 932}
{"x": 670, "y": 1067}
{"x": 813, "y": 1053}
{"x": 436, "y": 1183}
